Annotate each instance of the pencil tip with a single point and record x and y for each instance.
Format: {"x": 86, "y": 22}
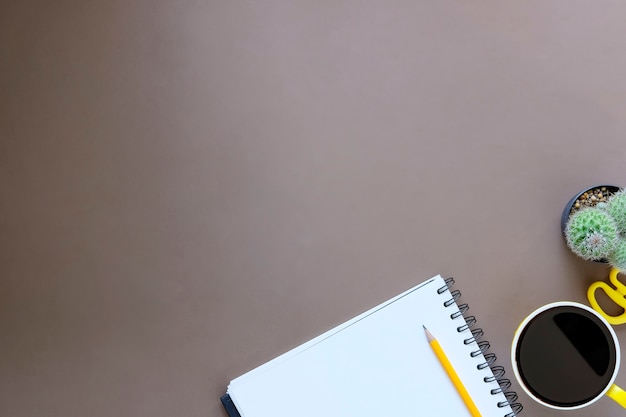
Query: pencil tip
{"x": 429, "y": 335}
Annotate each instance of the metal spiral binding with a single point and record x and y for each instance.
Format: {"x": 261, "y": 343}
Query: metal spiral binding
{"x": 483, "y": 347}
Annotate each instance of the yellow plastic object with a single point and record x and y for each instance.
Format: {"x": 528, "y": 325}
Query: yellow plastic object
{"x": 617, "y": 293}
{"x": 617, "y": 394}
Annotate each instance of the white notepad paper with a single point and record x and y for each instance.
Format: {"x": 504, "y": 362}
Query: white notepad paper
{"x": 377, "y": 364}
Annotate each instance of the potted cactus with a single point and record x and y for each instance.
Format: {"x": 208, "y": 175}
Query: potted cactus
{"x": 594, "y": 225}
{"x": 591, "y": 233}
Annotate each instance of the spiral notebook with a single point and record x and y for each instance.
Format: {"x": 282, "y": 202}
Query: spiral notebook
{"x": 380, "y": 364}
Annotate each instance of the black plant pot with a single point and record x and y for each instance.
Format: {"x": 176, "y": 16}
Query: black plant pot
{"x": 570, "y": 205}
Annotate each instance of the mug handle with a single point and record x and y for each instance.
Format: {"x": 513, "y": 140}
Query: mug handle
{"x": 617, "y": 394}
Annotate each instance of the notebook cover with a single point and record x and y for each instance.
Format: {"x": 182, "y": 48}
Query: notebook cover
{"x": 229, "y": 406}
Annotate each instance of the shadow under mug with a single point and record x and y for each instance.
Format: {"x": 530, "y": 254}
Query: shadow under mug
{"x": 566, "y": 356}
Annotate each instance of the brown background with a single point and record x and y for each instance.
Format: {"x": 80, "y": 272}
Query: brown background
{"x": 188, "y": 189}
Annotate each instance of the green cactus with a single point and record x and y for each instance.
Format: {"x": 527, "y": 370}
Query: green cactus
{"x": 617, "y": 258}
{"x": 616, "y": 207}
{"x": 591, "y": 233}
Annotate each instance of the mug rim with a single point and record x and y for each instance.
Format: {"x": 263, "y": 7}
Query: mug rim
{"x": 549, "y": 306}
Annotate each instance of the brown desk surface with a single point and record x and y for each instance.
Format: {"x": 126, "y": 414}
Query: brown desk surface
{"x": 192, "y": 188}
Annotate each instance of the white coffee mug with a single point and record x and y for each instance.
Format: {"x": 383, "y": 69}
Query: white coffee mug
{"x": 566, "y": 356}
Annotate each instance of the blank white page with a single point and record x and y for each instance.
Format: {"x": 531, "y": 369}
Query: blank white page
{"x": 377, "y": 364}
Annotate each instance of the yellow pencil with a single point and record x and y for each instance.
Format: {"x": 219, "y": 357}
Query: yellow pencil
{"x": 452, "y": 374}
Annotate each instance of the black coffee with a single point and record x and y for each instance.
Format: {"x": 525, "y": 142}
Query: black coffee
{"x": 566, "y": 356}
